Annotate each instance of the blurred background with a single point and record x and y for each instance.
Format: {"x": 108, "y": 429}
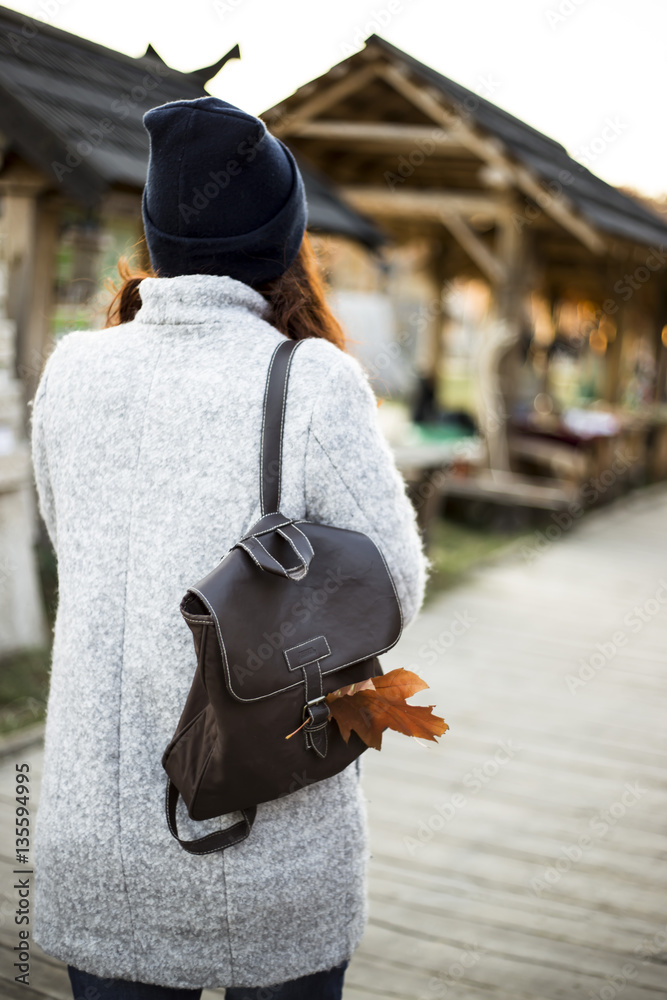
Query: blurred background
{"x": 506, "y": 290}
{"x": 487, "y": 196}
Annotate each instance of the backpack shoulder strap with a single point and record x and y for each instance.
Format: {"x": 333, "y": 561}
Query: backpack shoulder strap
{"x": 273, "y": 420}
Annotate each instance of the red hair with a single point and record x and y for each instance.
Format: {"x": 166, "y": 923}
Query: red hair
{"x": 299, "y": 308}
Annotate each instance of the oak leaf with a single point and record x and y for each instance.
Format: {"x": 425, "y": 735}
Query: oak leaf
{"x": 366, "y": 685}
{"x": 373, "y": 706}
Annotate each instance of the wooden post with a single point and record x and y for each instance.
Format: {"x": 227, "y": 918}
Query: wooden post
{"x": 35, "y": 338}
{"x": 437, "y": 276}
{"x": 660, "y": 390}
{"x": 613, "y": 358}
{"x": 500, "y": 335}
{"x": 28, "y": 232}
{"x": 22, "y": 623}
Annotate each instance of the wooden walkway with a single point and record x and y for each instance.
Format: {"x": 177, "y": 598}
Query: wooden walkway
{"x": 523, "y": 857}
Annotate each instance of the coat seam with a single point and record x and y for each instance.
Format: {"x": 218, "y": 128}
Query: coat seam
{"x": 363, "y": 513}
{"x": 122, "y": 659}
{"x": 227, "y": 923}
{"x": 310, "y": 431}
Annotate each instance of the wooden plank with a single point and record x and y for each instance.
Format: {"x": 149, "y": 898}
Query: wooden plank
{"x": 430, "y": 953}
{"x": 283, "y": 123}
{"x": 513, "y": 489}
{"x": 489, "y": 264}
{"x": 520, "y": 945}
{"x": 16, "y": 744}
{"x": 504, "y": 677}
{"x": 470, "y": 884}
{"x": 396, "y": 135}
{"x": 413, "y": 203}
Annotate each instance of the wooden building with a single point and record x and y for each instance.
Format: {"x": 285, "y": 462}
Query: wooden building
{"x": 73, "y": 158}
{"x": 569, "y": 262}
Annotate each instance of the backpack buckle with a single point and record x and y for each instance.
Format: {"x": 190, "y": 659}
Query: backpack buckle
{"x": 307, "y": 710}
{"x": 317, "y": 713}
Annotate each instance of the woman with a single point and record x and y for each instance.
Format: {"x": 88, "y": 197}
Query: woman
{"x": 146, "y": 446}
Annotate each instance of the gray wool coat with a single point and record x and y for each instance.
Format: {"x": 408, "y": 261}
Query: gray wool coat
{"x": 146, "y": 457}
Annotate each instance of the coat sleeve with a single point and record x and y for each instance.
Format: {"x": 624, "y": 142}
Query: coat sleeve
{"x": 40, "y": 464}
{"x": 352, "y": 480}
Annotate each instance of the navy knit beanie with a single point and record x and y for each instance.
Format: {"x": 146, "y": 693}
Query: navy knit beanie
{"x": 222, "y": 195}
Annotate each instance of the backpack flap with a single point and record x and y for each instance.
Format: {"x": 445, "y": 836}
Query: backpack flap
{"x": 342, "y": 610}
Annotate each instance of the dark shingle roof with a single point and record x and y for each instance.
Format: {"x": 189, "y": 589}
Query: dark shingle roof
{"x": 60, "y": 92}
{"x": 74, "y": 110}
{"x": 604, "y": 206}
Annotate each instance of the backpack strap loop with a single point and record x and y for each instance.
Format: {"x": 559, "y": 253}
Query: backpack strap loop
{"x": 300, "y": 546}
{"x": 219, "y": 840}
{"x": 273, "y": 421}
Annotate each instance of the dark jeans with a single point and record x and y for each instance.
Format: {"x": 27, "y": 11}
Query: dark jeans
{"x": 319, "y": 986}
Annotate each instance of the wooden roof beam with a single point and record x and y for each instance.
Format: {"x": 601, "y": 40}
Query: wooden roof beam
{"x": 558, "y": 206}
{"x": 383, "y": 133}
{"x": 488, "y": 263}
{"x": 446, "y": 209}
{"x": 283, "y": 122}
{"x": 375, "y": 200}
{"x": 428, "y": 101}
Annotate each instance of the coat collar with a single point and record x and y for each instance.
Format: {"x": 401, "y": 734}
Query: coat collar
{"x": 195, "y": 298}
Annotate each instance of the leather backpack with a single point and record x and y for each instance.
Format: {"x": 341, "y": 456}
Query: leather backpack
{"x": 292, "y": 612}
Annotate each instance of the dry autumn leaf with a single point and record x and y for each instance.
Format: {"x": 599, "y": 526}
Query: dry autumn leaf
{"x": 366, "y": 685}
{"x": 371, "y": 707}
{"x": 350, "y": 689}
{"x": 399, "y": 684}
